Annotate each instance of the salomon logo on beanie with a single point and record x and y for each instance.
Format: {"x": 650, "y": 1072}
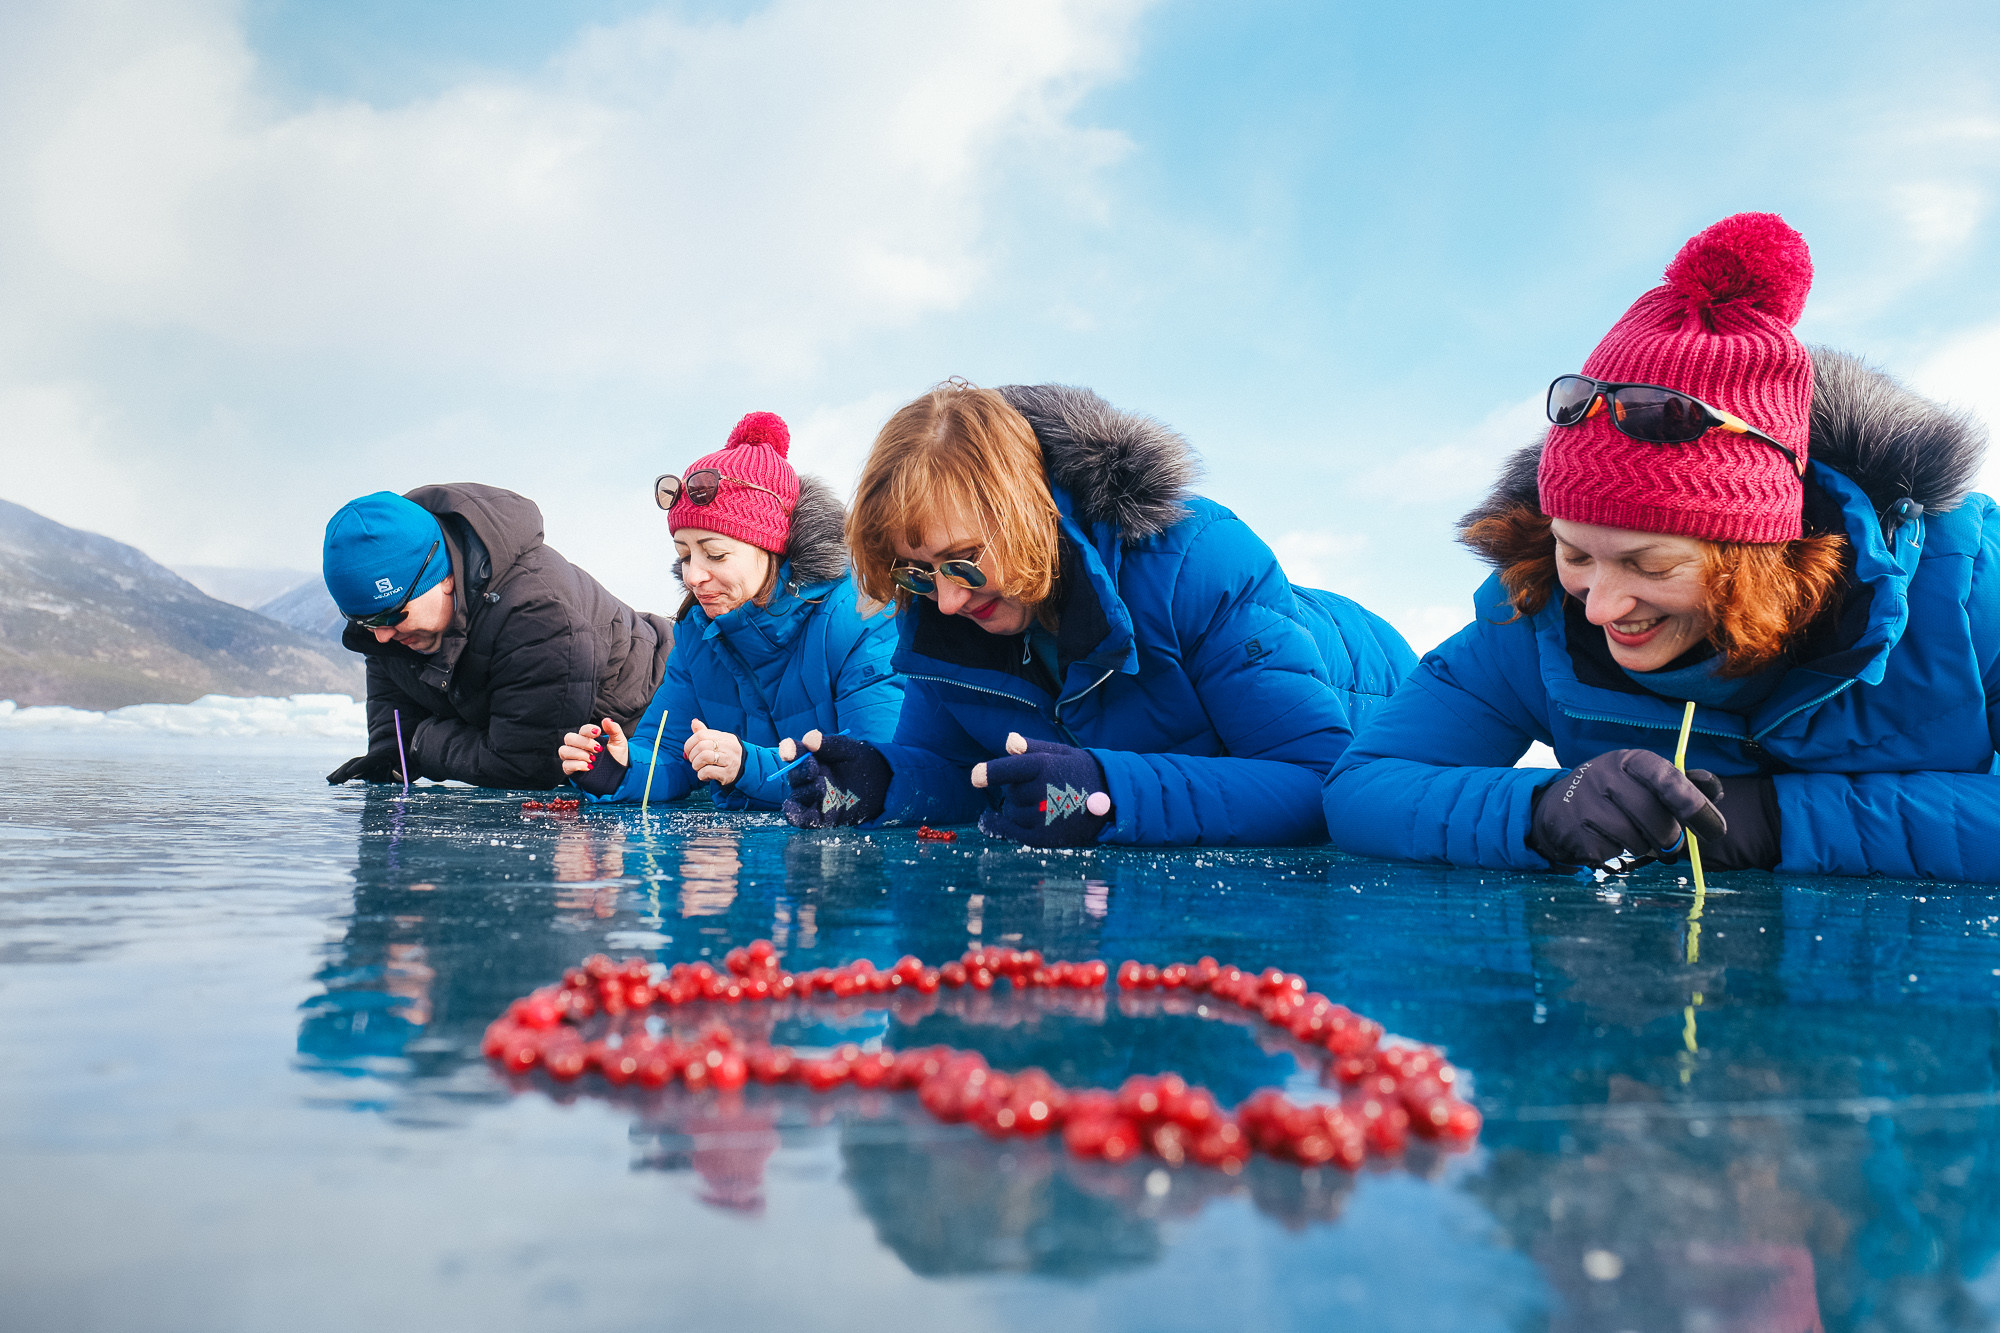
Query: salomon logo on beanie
{"x": 375, "y": 547}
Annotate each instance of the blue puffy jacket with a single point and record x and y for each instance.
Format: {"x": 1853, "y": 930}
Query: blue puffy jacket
{"x": 1881, "y": 736}
{"x": 1214, "y": 694}
{"x": 812, "y": 657}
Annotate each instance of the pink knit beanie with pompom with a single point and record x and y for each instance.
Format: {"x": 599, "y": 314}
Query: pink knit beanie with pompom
{"x": 755, "y": 453}
{"x": 1719, "y": 328}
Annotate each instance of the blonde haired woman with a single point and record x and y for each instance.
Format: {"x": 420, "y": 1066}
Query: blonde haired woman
{"x": 1090, "y": 653}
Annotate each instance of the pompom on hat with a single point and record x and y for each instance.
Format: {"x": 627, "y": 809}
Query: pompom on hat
{"x": 756, "y": 454}
{"x": 1719, "y": 328}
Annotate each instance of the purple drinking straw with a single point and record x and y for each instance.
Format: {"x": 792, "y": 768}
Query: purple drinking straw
{"x": 402, "y": 755}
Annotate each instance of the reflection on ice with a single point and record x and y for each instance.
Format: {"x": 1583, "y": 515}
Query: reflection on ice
{"x": 1829, "y": 1149}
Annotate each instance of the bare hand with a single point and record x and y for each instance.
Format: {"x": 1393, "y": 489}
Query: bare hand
{"x": 580, "y": 748}
{"x": 717, "y": 756}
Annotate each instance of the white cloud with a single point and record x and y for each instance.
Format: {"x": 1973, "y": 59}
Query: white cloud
{"x": 1319, "y": 559}
{"x": 1461, "y": 467}
{"x": 1965, "y": 372}
{"x": 664, "y": 197}
{"x": 544, "y": 280}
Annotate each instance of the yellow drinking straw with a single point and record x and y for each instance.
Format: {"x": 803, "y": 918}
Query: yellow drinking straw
{"x": 1680, "y": 762}
{"x": 647, "y": 795}
{"x": 1688, "y": 1037}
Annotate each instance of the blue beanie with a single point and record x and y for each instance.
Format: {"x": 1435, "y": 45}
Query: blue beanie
{"x": 373, "y": 548}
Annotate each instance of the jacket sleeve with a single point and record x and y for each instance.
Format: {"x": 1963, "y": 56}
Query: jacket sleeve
{"x": 930, "y": 764}
{"x": 1265, "y": 688}
{"x": 543, "y": 684}
{"x": 1912, "y": 825}
{"x": 385, "y": 700}
{"x": 866, "y": 694}
{"x": 1431, "y": 777}
{"x": 665, "y": 727}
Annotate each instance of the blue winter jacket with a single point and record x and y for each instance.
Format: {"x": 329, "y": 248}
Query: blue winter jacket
{"x": 1214, "y": 694}
{"x": 1881, "y": 733}
{"x": 809, "y": 658}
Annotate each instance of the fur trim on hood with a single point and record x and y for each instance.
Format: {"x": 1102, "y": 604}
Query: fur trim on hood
{"x": 1122, "y": 468}
{"x": 818, "y": 544}
{"x": 1889, "y": 440}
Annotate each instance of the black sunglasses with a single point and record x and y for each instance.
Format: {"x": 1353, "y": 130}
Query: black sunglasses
{"x": 400, "y": 612}
{"x": 921, "y": 579}
{"x": 1650, "y": 413}
{"x": 702, "y": 486}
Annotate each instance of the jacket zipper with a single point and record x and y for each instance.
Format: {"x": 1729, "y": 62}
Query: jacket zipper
{"x": 1015, "y": 698}
{"x": 1752, "y": 742}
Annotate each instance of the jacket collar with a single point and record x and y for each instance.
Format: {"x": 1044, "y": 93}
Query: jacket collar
{"x": 1582, "y": 682}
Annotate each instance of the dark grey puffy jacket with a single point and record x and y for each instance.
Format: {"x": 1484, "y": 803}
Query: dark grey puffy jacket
{"x": 536, "y": 648}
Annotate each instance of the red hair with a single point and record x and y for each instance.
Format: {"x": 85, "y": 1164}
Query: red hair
{"x": 1760, "y": 597}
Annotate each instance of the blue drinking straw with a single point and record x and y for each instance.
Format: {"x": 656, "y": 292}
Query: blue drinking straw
{"x": 807, "y": 755}
{"x": 402, "y": 755}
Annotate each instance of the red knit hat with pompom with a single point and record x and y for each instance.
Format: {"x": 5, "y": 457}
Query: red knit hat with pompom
{"x": 755, "y": 453}
{"x": 1719, "y": 328}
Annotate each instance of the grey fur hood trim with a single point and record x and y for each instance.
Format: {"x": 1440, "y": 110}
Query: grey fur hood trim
{"x": 818, "y": 545}
{"x": 1122, "y": 468}
{"x": 1889, "y": 440}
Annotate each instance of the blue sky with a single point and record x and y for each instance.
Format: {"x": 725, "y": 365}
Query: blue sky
{"x": 257, "y": 258}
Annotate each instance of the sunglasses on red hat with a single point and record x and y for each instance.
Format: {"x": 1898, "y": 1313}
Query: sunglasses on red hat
{"x": 701, "y": 487}
{"x": 400, "y": 612}
{"x": 1650, "y": 413}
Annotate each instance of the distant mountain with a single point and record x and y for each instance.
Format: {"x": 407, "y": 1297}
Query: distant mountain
{"x": 247, "y": 588}
{"x": 308, "y": 609}
{"x": 94, "y": 623}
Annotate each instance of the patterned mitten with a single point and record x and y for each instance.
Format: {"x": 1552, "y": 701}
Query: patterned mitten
{"x": 1050, "y": 795}
{"x": 843, "y": 782}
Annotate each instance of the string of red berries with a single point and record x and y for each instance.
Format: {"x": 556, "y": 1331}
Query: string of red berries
{"x": 1389, "y": 1092}
{"x": 554, "y": 805}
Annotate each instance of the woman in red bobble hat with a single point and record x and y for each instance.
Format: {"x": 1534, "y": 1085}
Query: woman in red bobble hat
{"x": 773, "y": 639}
{"x": 1783, "y": 538}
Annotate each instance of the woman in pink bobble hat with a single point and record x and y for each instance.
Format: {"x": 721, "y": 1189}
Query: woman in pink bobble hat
{"x": 772, "y": 639}
{"x": 1784, "y": 538}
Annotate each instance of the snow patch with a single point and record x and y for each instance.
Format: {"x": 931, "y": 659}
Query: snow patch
{"x": 319, "y": 715}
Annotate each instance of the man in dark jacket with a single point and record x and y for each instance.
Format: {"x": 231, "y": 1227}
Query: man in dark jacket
{"x": 483, "y": 644}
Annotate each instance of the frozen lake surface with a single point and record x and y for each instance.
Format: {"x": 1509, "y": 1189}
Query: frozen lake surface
{"x": 243, "y": 1091}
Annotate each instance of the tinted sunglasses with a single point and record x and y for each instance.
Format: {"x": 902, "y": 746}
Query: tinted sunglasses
{"x": 400, "y": 612}
{"x": 1650, "y": 413}
{"x": 701, "y": 487}
{"x": 921, "y": 579}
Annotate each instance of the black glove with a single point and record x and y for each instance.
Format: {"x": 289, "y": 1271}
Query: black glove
{"x": 375, "y": 766}
{"x": 1626, "y": 803}
{"x": 1751, "y": 841}
{"x": 1046, "y": 797}
{"x": 843, "y": 782}
{"x": 603, "y": 777}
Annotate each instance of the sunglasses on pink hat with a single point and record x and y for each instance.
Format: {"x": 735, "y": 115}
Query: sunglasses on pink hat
{"x": 701, "y": 486}
{"x": 1649, "y": 413}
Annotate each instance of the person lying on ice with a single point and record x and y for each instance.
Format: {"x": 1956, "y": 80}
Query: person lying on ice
{"x": 773, "y": 637}
{"x": 1090, "y": 652}
{"x": 482, "y": 638}
{"x": 1717, "y": 516}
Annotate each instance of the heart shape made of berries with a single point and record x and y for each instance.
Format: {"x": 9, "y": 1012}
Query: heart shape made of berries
{"x": 1389, "y": 1090}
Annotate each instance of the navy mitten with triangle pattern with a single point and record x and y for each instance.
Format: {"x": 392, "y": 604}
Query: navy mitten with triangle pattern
{"x": 1050, "y": 795}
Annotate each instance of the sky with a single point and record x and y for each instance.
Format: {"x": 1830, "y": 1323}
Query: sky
{"x": 258, "y": 257}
